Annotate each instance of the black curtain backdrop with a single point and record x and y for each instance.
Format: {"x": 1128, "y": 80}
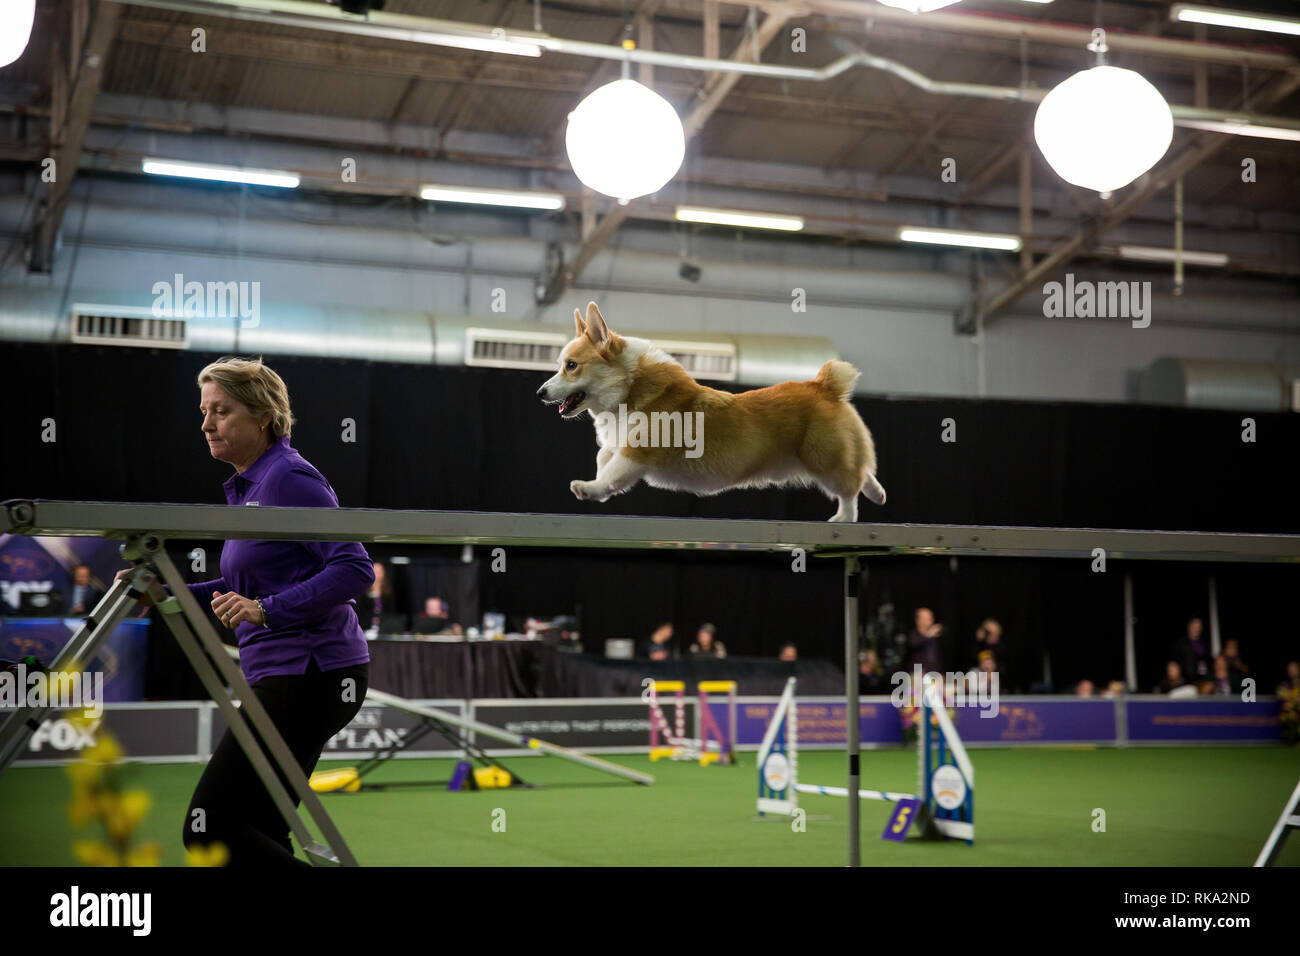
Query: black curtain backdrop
{"x": 127, "y": 428}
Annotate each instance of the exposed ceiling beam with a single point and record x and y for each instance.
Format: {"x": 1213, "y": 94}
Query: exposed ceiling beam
{"x": 992, "y": 169}
{"x": 714, "y": 91}
{"x": 67, "y": 140}
{"x": 978, "y": 23}
{"x": 1200, "y": 149}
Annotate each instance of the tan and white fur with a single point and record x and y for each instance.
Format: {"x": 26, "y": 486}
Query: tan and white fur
{"x": 794, "y": 433}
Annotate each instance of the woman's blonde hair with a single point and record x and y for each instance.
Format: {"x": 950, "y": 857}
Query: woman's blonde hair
{"x": 254, "y": 385}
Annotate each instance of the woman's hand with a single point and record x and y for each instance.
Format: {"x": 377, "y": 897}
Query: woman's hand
{"x": 232, "y": 608}
{"x": 145, "y": 599}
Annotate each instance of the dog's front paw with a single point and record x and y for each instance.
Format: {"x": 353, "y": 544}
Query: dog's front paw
{"x": 579, "y": 489}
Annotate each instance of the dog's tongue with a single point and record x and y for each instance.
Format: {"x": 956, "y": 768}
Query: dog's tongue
{"x": 571, "y": 400}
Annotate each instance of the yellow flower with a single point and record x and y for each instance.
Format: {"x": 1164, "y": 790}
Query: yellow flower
{"x": 214, "y": 854}
{"x": 83, "y": 808}
{"x": 84, "y": 774}
{"x": 104, "y": 751}
{"x": 94, "y": 853}
{"x": 146, "y": 854}
{"x": 123, "y": 812}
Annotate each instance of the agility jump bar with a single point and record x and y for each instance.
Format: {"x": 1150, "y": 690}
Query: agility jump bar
{"x": 862, "y": 794}
{"x": 496, "y": 733}
{"x": 826, "y": 539}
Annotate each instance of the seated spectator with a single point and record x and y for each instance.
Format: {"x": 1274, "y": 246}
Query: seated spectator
{"x": 871, "y": 676}
{"x": 434, "y": 619}
{"x": 1225, "y": 680}
{"x": 1173, "y": 679}
{"x": 986, "y": 664}
{"x": 1232, "y": 654}
{"x": 788, "y": 652}
{"x": 660, "y": 645}
{"x": 84, "y": 596}
{"x": 1193, "y": 652}
{"x": 706, "y": 646}
{"x": 1114, "y": 689}
{"x": 1085, "y": 688}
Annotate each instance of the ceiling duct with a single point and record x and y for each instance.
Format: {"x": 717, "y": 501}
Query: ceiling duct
{"x": 1215, "y": 383}
{"x": 125, "y": 326}
{"x": 497, "y": 347}
{"x": 390, "y": 335}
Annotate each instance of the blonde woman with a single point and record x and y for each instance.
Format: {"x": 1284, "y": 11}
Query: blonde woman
{"x": 291, "y": 605}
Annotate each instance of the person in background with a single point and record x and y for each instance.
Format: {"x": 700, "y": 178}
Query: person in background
{"x": 1232, "y": 654}
{"x": 788, "y": 652}
{"x": 434, "y": 619}
{"x": 378, "y": 599}
{"x": 986, "y": 664}
{"x": 923, "y": 642}
{"x": 988, "y": 638}
{"x": 660, "y": 645}
{"x": 1114, "y": 689}
{"x": 1225, "y": 681}
{"x": 1173, "y": 678}
{"x": 871, "y": 676}
{"x": 1084, "y": 688}
{"x": 1193, "y": 652}
{"x": 1291, "y": 683}
{"x": 84, "y": 596}
{"x": 706, "y": 646}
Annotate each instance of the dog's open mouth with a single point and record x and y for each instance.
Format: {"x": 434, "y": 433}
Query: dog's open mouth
{"x": 570, "y": 402}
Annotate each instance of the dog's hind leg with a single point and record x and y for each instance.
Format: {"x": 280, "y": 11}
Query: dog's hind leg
{"x": 848, "y": 510}
{"x": 873, "y": 489}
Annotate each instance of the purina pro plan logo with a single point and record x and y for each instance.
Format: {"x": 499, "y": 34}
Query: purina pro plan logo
{"x": 947, "y": 787}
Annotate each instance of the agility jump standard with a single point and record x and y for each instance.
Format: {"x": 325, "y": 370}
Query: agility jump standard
{"x": 149, "y": 525}
{"x": 945, "y": 778}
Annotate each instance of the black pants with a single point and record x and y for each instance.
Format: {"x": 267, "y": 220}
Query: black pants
{"x": 235, "y": 808}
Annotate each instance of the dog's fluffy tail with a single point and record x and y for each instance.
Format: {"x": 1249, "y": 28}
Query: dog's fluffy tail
{"x": 838, "y": 378}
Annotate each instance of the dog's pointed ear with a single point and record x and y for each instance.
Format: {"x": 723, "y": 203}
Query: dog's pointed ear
{"x": 581, "y": 326}
{"x": 597, "y": 331}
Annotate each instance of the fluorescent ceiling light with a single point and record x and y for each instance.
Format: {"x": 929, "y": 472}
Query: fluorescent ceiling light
{"x": 1243, "y": 129}
{"x": 1155, "y": 254}
{"x": 492, "y": 197}
{"x": 221, "y": 174}
{"x": 517, "y": 47}
{"x": 919, "y": 6}
{"x": 747, "y": 220}
{"x": 1235, "y": 18}
{"x": 953, "y": 237}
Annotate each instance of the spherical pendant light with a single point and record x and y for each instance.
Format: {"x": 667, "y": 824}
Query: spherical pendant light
{"x": 16, "y": 18}
{"x": 1103, "y": 128}
{"x": 625, "y": 140}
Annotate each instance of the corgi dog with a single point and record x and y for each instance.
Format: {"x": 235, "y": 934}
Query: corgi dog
{"x": 654, "y": 422}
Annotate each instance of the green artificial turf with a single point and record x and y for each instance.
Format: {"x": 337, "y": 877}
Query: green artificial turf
{"x": 1164, "y": 807}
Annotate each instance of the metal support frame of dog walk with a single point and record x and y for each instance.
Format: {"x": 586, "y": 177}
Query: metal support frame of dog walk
{"x": 146, "y": 526}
